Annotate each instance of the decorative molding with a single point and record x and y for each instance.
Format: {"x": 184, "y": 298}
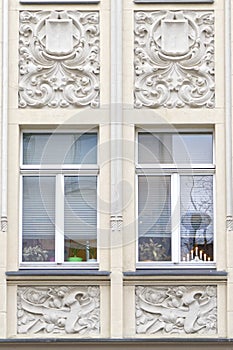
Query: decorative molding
{"x": 229, "y": 223}
{"x": 59, "y": 59}
{"x": 176, "y": 310}
{"x": 4, "y": 224}
{"x": 116, "y": 222}
{"x": 174, "y": 59}
{"x": 58, "y": 310}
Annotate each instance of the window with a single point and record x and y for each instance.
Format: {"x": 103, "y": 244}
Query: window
{"x": 59, "y": 200}
{"x": 175, "y": 198}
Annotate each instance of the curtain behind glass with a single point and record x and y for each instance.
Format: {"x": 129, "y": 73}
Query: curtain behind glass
{"x": 181, "y": 148}
{"x": 48, "y": 148}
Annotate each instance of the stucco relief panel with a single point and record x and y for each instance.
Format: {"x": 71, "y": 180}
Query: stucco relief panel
{"x": 181, "y": 310}
{"x": 58, "y": 310}
{"x": 174, "y": 59}
{"x": 58, "y": 59}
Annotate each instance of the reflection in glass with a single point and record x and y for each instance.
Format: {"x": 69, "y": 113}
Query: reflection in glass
{"x": 197, "y": 218}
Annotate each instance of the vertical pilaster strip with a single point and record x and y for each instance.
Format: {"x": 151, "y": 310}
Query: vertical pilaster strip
{"x": 116, "y": 170}
{"x": 228, "y": 114}
{"x": 4, "y": 124}
{"x": 228, "y": 145}
{"x": 4, "y": 114}
{"x": 116, "y": 108}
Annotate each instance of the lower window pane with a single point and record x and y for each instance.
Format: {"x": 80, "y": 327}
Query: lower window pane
{"x": 197, "y": 218}
{"x": 154, "y": 218}
{"x": 80, "y": 221}
{"x": 38, "y": 219}
{"x": 154, "y": 249}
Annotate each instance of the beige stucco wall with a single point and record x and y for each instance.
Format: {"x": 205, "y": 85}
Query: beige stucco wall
{"x": 117, "y": 296}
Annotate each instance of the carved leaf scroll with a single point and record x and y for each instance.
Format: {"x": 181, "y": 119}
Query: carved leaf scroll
{"x": 176, "y": 310}
{"x": 58, "y": 310}
{"x": 59, "y": 59}
{"x": 174, "y": 59}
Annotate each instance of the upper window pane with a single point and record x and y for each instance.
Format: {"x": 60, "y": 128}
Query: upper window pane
{"x": 179, "y": 148}
{"x": 50, "y": 148}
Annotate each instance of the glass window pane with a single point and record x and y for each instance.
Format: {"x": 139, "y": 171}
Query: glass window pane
{"x": 80, "y": 221}
{"x": 48, "y": 148}
{"x": 179, "y": 148}
{"x": 154, "y": 214}
{"x": 197, "y": 218}
{"x": 38, "y": 218}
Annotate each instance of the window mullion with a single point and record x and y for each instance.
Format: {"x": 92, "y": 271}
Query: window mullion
{"x": 60, "y": 219}
{"x": 175, "y": 217}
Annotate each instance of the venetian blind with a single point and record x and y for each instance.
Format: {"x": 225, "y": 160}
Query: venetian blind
{"x": 80, "y": 220}
{"x": 59, "y": 148}
{"x": 180, "y": 148}
{"x": 38, "y": 207}
{"x": 154, "y": 205}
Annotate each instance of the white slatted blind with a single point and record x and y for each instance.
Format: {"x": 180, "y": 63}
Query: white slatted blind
{"x": 180, "y": 148}
{"x": 38, "y": 207}
{"x": 48, "y": 148}
{"x": 80, "y": 220}
{"x": 154, "y": 205}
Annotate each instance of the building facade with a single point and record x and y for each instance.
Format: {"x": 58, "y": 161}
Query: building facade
{"x": 116, "y": 174}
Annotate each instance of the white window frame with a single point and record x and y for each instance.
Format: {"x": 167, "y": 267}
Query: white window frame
{"x": 59, "y": 172}
{"x": 175, "y": 171}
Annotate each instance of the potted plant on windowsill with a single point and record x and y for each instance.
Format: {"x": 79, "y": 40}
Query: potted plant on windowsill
{"x": 75, "y": 257}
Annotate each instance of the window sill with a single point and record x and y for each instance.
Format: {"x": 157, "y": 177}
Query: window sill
{"x": 66, "y": 266}
{"x": 175, "y": 275}
{"x": 58, "y": 275}
{"x": 153, "y": 265}
{"x": 175, "y": 272}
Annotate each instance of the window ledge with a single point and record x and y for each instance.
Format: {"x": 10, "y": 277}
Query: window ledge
{"x": 51, "y": 276}
{"x": 97, "y": 343}
{"x": 163, "y": 275}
